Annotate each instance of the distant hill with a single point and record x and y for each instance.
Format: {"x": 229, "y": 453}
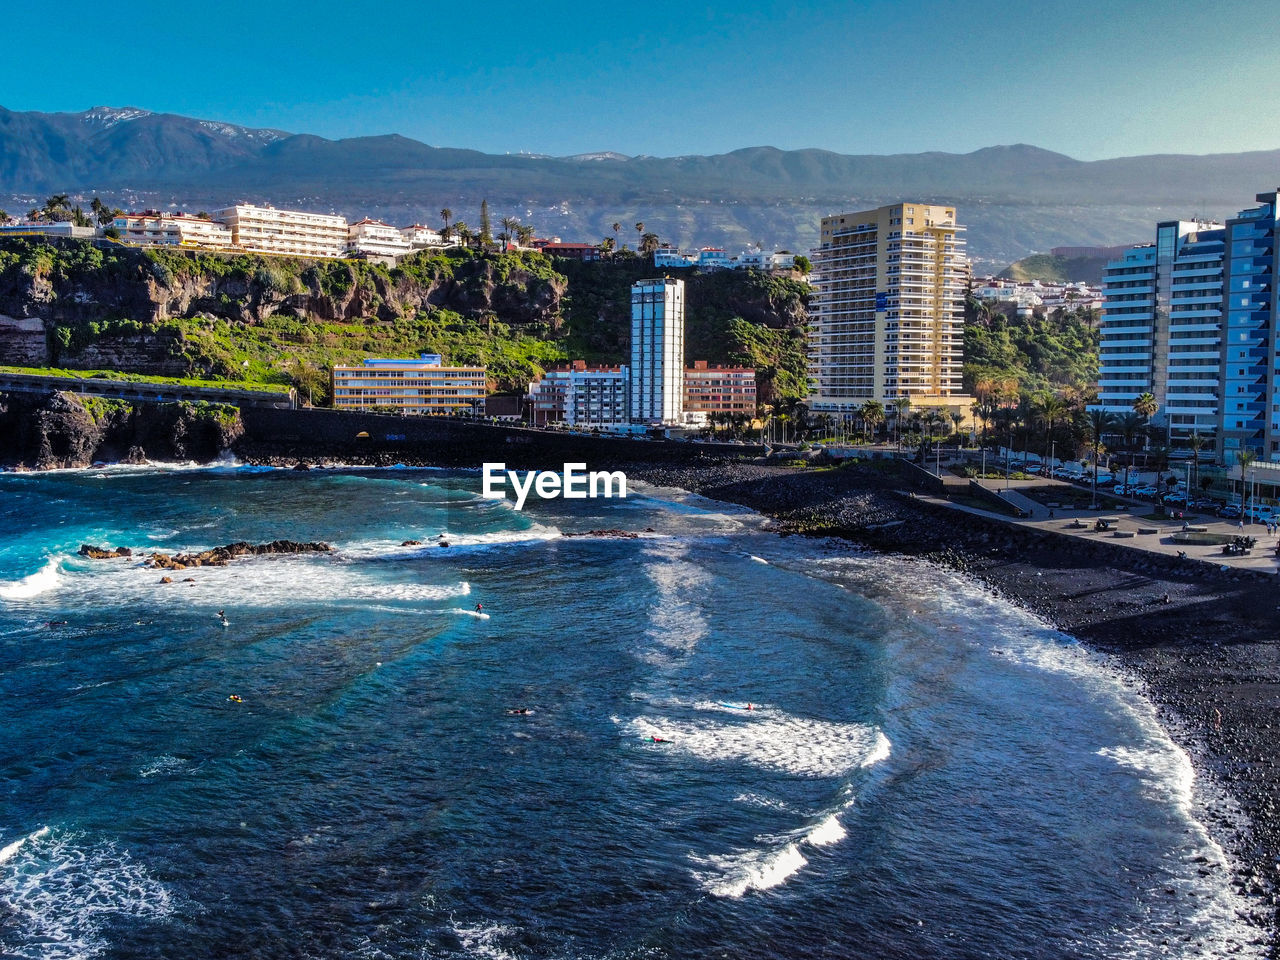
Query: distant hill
{"x": 1049, "y": 268}
{"x": 1013, "y": 199}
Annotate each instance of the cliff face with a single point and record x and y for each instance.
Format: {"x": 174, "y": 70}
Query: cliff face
{"x": 279, "y": 320}
{"x": 68, "y": 430}
{"x": 83, "y": 296}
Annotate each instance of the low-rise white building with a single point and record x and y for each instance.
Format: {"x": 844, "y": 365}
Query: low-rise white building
{"x": 376, "y": 239}
{"x": 288, "y": 232}
{"x": 57, "y": 228}
{"x": 581, "y": 395}
{"x": 421, "y": 237}
{"x": 172, "y": 229}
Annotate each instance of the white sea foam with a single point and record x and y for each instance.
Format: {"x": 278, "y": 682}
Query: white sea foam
{"x": 7, "y": 852}
{"x": 485, "y": 940}
{"x": 829, "y": 831}
{"x": 763, "y": 802}
{"x": 794, "y": 745}
{"x": 758, "y": 559}
{"x": 163, "y": 764}
{"x": 59, "y": 891}
{"x": 732, "y": 875}
{"x": 32, "y": 585}
{"x": 257, "y": 583}
{"x": 393, "y": 549}
{"x": 470, "y": 613}
{"x": 674, "y": 622}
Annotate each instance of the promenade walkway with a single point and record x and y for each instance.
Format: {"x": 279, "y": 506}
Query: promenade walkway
{"x": 1137, "y": 528}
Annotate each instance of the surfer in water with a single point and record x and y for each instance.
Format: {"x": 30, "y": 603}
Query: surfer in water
{"x": 235, "y": 699}
{"x": 479, "y": 608}
{"x": 659, "y": 740}
{"x": 518, "y": 711}
{"x": 223, "y": 617}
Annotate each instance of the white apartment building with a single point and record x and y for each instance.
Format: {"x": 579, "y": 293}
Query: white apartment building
{"x": 421, "y": 237}
{"x": 172, "y": 229}
{"x": 1162, "y": 328}
{"x": 656, "y": 374}
{"x": 286, "y": 232}
{"x": 888, "y": 317}
{"x": 377, "y": 239}
{"x": 581, "y": 395}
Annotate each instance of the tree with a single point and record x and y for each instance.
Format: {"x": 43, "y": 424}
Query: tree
{"x": 1145, "y": 405}
{"x": 649, "y": 243}
{"x": 1195, "y": 442}
{"x": 1130, "y": 427}
{"x": 524, "y": 234}
{"x": 901, "y": 408}
{"x": 957, "y": 418}
{"x": 872, "y": 413}
{"x": 1100, "y": 422}
{"x": 464, "y": 233}
{"x": 486, "y": 228}
{"x": 4, "y": 216}
{"x": 1049, "y": 409}
{"x": 80, "y": 218}
{"x": 509, "y": 227}
{"x": 606, "y": 247}
{"x": 445, "y": 214}
{"x": 640, "y": 228}
{"x": 803, "y": 264}
{"x": 616, "y": 227}
{"x": 1246, "y": 459}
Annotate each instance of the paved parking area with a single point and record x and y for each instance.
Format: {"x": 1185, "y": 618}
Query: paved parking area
{"x": 1136, "y": 530}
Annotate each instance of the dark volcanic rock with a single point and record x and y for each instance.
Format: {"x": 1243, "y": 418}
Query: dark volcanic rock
{"x": 220, "y": 556}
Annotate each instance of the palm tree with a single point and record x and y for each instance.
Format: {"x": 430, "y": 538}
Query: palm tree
{"x": 1049, "y": 409}
{"x": 509, "y": 227}
{"x": 1246, "y": 459}
{"x": 957, "y": 418}
{"x": 54, "y": 206}
{"x": 463, "y": 232}
{"x": 1195, "y": 442}
{"x": 606, "y": 247}
{"x": 524, "y": 233}
{"x": 872, "y": 413}
{"x": 1145, "y": 405}
{"x": 445, "y": 214}
{"x": 1130, "y": 426}
{"x": 649, "y": 243}
{"x": 640, "y": 228}
{"x": 1100, "y": 422}
{"x": 901, "y": 408}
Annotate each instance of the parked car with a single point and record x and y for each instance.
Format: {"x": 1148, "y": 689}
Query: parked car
{"x": 1175, "y": 500}
{"x": 1204, "y": 504}
{"x": 1260, "y": 513}
{"x": 1122, "y": 490}
{"x": 1231, "y": 511}
{"x": 1146, "y": 490}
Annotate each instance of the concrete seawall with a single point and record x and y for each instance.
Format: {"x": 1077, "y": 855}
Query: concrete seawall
{"x": 450, "y": 442}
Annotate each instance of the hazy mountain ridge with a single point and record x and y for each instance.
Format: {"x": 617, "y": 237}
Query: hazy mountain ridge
{"x": 1014, "y": 199}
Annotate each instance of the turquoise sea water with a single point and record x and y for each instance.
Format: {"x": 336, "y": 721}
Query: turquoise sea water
{"x": 926, "y": 771}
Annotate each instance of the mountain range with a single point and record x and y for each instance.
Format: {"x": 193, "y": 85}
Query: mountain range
{"x": 1014, "y": 200}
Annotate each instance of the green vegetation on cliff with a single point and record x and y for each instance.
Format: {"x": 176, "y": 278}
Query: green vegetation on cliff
{"x": 1041, "y": 351}
{"x": 276, "y": 320}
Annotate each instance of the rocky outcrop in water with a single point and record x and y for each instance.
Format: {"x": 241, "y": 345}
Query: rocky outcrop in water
{"x": 221, "y": 556}
{"x": 103, "y": 553}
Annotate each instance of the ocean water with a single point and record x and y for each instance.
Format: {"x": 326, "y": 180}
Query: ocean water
{"x": 924, "y": 770}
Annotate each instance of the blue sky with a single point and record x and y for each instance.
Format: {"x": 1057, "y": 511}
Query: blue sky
{"x": 1087, "y": 78}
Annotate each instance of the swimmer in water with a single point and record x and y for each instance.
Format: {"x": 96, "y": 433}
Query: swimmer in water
{"x": 518, "y": 711}
{"x": 235, "y": 699}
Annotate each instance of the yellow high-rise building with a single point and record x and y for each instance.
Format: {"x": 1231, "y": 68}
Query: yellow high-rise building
{"x": 888, "y": 315}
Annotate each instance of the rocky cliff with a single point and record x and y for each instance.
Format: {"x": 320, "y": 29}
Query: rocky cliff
{"x": 69, "y": 430}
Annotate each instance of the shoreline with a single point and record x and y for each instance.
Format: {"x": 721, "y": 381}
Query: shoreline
{"x": 1208, "y": 659}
